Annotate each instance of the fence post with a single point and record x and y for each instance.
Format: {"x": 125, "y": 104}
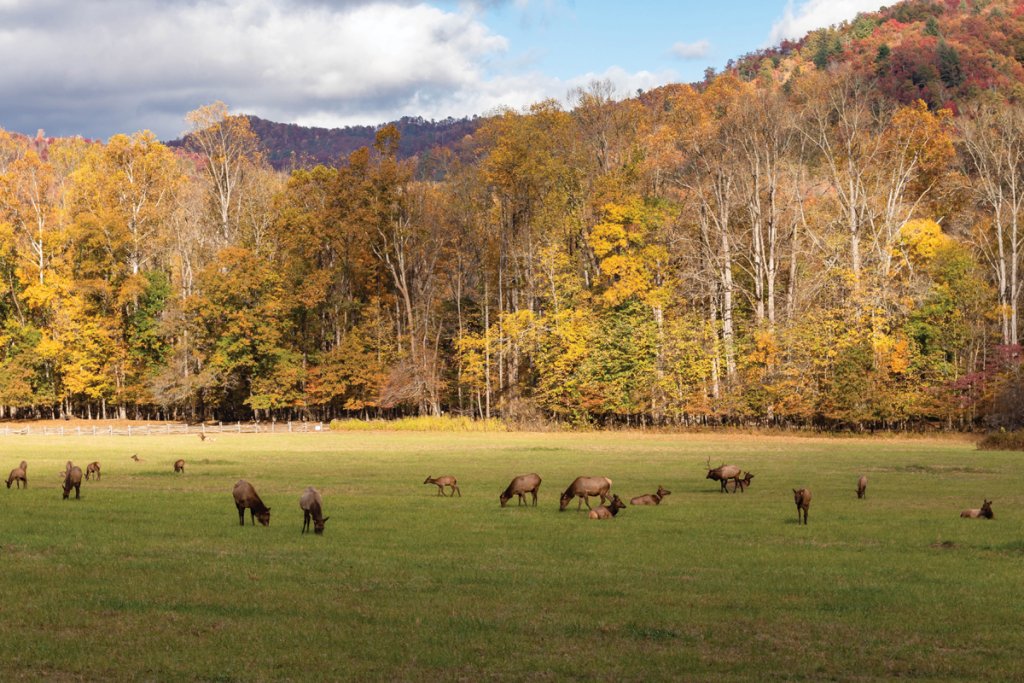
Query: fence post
{"x": 94, "y": 431}
{"x": 289, "y": 426}
{"x": 129, "y": 430}
{"x": 110, "y": 430}
{"x": 239, "y": 426}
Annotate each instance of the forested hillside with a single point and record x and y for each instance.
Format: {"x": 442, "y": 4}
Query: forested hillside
{"x": 803, "y": 240}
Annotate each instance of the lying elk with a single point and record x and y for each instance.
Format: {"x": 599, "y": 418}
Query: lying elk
{"x": 91, "y": 469}
{"x": 73, "y": 480}
{"x": 136, "y": 458}
{"x": 246, "y": 497}
{"x": 582, "y": 488}
{"x": 802, "y": 498}
{"x": 862, "y": 486}
{"x": 312, "y": 507}
{"x": 441, "y": 482}
{"x": 650, "y": 498}
{"x": 609, "y": 511}
{"x": 18, "y": 474}
{"x": 520, "y": 486}
{"x": 179, "y": 465}
{"x": 985, "y": 511}
{"x": 723, "y": 473}
{"x": 741, "y": 484}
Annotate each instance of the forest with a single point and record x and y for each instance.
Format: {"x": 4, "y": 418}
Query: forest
{"x": 809, "y": 239}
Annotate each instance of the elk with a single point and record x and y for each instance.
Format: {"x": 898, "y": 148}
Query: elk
{"x": 18, "y": 474}
{"x": 722, "y": 473}
{"x": 441, "y": 482}
{"x": 582, "y": 488}
{"x": 802, "y": 498}
{"x": 520, "y": 486}
{"x": 650, "y": 498}
{"x": 93, "y": 468}
{"x": 246, "y": 497}
{"x": 179, "y": 465}
{"x": 984, "y": 512}
{"x": 312, "y": 507}
{"x": 73, "y": 480}
{"x": 741, "y": 484}
{"x": 136, "y": 458}
{"x": 609, "y": 511}
{"x": 862, "y": 486}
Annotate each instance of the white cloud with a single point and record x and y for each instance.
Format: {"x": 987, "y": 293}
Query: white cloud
{"x": 814, "y": 14}
{"x": 697, "y": 50}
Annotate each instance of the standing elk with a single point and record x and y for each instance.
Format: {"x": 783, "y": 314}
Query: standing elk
{"x": 582, "y": 488}
{"x": 520, "y": 486}
{"x": 179, "y": 465}
{"x": 19, "y": 475}
{"x": 802, "y": 498}
{"x": 91, "y": 469}
{"x": 246, "y": 497}
{"x": 650, "y": 498}
{"x": 862, "y": 486}
{"x": 984, "y": 512}
{"x": 609, "y": 511}
{"x": 312, "y": 507}
{"x": 741, "y": 484}
{"x": 441, "y": 482}
{"x": 722, "y": 473}
{"x": 73, "y": 480}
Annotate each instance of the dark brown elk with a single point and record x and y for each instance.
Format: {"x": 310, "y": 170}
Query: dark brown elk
{"x": 179, "y": 465}
{"x": 984, "y": 512}
{"x": 520, "y": 486}
{"x": 741, "y": 483}
{"x": 19, "y": 475}
{"x": 136, "y": 458}
{"x": 73, "y": 480}
{"x": 862, "y": 486}
{"x": 441, "y": 482}
{"x": 723, "y": 473}
{"x": 246, "y": 497}
{"x": 312, "y": 508}
{"x": 650, "y": 498}
{"x": 91, "y": 469}
{"x": 802, "y": 498}
{"x": 609, "y": 511}
{"x": 584, "y": 487}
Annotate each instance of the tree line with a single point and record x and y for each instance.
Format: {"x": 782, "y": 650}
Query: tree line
{"x": 801, "y": 252}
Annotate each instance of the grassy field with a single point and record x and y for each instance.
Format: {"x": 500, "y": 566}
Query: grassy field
{"x": 150, "y": 577}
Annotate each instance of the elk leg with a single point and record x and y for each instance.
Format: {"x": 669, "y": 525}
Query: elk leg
{"x": 534, "y": 492}
{"x": 454, "y": 489}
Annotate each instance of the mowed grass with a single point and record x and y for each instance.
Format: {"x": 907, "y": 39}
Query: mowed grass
{"x": 150, "y": 577}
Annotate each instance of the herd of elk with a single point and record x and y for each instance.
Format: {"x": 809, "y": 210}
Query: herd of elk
{"x": 984, "y": 512}
{"x": 650, "y": 498}
{"x": 520, "y": 486}
{"x": 91, "y": 469}
{"x": 18, "y": 474}
{"x": 441, "y": 482}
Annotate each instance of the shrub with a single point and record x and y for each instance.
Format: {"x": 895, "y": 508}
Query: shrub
{"x": 1002, "y": 441}
{"x": 426, "y": 423}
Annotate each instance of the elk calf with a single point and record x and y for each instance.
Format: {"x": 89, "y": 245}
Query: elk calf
{"x": 441, "y": 482}
{"x": 246, "y": 497}
{"x": 312, "y": 507}
{"x": 520, "y": 486}
{"x": 650, "y": 498}
{"x": 179, "y": 465}
{"x": 19, "y": 475}
{"x": 91, "y": 469}
{"x": 984, "y": 512}
{"x": 802, "y": 498}
{"x": 862, "y": 486}
{"x": 73, "y": 480}
{"x": 584, "y": 487}
{"x": 609, "y": 511}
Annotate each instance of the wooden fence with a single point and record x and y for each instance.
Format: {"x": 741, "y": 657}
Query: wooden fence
{"x": 170, "y": 428}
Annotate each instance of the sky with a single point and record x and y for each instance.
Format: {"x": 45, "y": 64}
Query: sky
{"x": 100, "y": 67}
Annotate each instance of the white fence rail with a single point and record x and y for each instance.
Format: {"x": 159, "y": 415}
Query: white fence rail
{"x": 168, "y": 428}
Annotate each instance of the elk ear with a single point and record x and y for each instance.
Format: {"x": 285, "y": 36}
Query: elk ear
{"x": 325, "y": 519}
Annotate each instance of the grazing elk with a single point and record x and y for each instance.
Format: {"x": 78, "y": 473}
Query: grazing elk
{"x": 741, "y": 484}
{"x": 609, "y": 511}
{"x": 312, "y": 507}
{"x": 179, "y": 465}
{"x": 802, "y": 498}
{"x": 984, "y": 512}
{"x": 722, "y": 473}
{"x": 73, "y": 480}
{"x": 19, "y": 475}
{"x": 520, "y": 486}
{"x": 246, "y": 497}
{"x": 93, "y": 468}
{"x": 441, "y": 482}
{"x": 862, "y": 486}
{"x": 582, "y": 488}
{"x": 650, "y": 498}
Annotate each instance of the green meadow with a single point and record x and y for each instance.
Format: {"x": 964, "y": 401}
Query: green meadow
{"x": 150, "y": 577}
